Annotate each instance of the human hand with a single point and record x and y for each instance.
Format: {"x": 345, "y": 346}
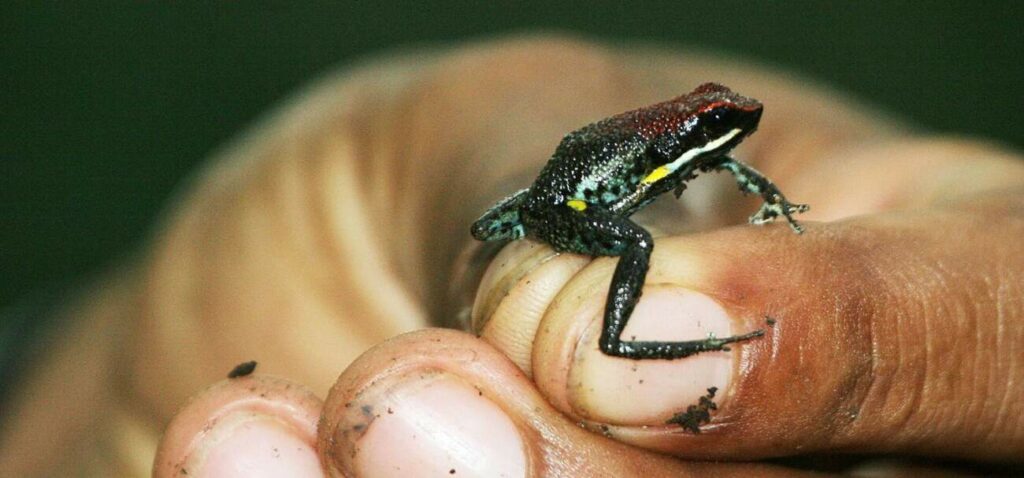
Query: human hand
{"x": 336, "y": 227}
{"x": 868, "y": 353}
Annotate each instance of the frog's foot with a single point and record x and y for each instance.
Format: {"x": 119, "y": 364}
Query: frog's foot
{"x": 776, "y": 205}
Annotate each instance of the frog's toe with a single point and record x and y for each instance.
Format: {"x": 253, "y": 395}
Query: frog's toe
{"x": 769, "y": 212}
{"x": 766, "y": 214}
{"x": 797, "y": 208}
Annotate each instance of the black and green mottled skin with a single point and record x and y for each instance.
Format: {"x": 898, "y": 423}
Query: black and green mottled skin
{"x": 604, "y": 165}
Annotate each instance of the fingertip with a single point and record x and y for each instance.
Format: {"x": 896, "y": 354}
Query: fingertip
{"x": 424, "y": 402}
{"x": 652, "y": 404}
{"x": 248, "y": 426}
{"x": 510, "y": 325}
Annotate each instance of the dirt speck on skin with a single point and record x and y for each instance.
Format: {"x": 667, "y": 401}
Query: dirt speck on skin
{"x": 696, "y": 415}
{"x": 242, "y": 369}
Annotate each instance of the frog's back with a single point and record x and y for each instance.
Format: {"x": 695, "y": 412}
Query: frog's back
{"x": 589, "y": 158}
{"x": 605, "y": 162}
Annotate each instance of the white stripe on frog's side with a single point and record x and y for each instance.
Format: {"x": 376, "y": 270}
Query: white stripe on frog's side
{"x": 688, "y": 156}
{"x": 594, "y": 181}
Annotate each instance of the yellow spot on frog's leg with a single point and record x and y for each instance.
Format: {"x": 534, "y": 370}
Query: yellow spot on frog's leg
{"x": 656, "y": 175}
{"x": 577, "y": 204}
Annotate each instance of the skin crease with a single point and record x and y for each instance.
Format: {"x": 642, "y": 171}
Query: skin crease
{"x": 338, "y": 224}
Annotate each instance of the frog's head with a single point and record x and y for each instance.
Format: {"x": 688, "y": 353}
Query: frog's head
{"x": 725, "y": 114}
{"x": 707, "y": 122}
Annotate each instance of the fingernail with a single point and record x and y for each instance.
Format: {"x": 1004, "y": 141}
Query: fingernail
{"x": 434, "y": 424}
{"x": 622, "y": 391}
{"x": 248, "y": 444}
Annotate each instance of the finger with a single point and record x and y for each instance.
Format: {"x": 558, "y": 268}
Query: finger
{"x": 892, "y": 333}
{"x": 443, "y": 403}
{"x": 244, "y": 427}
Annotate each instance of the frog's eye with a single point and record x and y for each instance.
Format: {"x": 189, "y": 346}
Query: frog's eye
{"x": 719, "y": 116}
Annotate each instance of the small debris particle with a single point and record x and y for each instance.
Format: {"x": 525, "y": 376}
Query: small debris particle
{"x": 696, "y": 415}
{"x": 184, "y": 471}
{"x": 390, "y": 411}
{"x": 451, "y": 471}
{"x": 367, "y": 410}
{"x": 242, "y": 369}
{"x": 770, "y": 321}
{"x": 359, "y": 427}
{"x": 641, "y": 381}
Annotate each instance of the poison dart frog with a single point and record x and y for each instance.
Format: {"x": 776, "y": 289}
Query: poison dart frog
{"x": 604, "y": 172}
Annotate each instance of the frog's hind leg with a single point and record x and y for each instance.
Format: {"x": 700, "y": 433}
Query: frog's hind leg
{"x": 600, "y": 232}
{"x": 501, "y": 222}
{"x": 775, "y": 204}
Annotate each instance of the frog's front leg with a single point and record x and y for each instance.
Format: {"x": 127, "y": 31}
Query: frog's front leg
{"x": 775, "y": 204}
{"x": 599, "y": 232}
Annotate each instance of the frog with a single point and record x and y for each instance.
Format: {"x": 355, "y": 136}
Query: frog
{"x": 601, "y": 174}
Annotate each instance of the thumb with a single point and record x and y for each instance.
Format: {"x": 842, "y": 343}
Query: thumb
{"x": 899, "y": 332}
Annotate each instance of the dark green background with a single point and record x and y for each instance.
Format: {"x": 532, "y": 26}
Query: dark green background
{"x": 105, "y": 108}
